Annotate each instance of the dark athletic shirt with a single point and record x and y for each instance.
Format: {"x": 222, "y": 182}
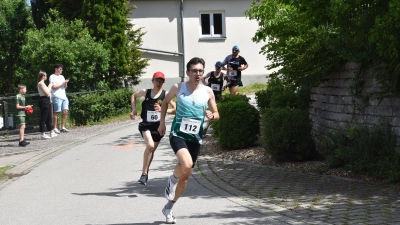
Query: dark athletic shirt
{"x": 216, "y": 81}
{"x": 235, "y": 63}
{"x": 148, "y": 103}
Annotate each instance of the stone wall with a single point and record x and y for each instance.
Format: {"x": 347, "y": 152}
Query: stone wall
{"x": 333, "y": 106}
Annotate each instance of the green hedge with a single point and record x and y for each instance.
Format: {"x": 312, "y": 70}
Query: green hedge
{"x": 280, "y": 95}
{"x": 363, "y": 150}
{"x": 239, "y": 123}
{"x": 287, "y": 134}
{"x": 95, "y": 107}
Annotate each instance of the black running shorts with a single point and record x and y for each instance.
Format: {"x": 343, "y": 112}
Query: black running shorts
{"x": 152, "y": 127}
{"x": 193, "y": 148}
{"x": 235, "y": 83}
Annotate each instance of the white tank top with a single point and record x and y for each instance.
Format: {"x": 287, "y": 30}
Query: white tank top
{"x": 41, "y": 92}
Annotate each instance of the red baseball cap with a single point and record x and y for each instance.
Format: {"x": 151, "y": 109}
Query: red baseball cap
{"x": 158, "y": 75}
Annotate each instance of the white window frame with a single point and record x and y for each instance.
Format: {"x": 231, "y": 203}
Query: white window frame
{"x": 212, "y": 35}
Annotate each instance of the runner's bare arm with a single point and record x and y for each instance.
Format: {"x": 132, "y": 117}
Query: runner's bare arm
{"x": 205, "y": 77}
{"x": 133, "y": 102}
{"x": 212, "y": 114}
{"x": 228, "y": 81}
{"x": 243, "y": 67}
{"x": 172, "y": 110}
{"x": 171, "y": 94}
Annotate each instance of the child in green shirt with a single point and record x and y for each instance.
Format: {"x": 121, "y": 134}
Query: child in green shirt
{"x": 20, "y": 106}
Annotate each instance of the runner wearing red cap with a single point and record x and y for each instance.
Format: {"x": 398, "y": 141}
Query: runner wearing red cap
{"x": 151, "y": 107}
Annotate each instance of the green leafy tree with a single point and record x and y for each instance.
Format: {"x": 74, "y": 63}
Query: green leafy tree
{"x": 69, "y": 9}
{"x": 108, "y": 22}
{"x": 40, "y": 8}
{"x": 295, "y": 42}
{"x": 308, "y": 39}
{"x": 14, "y": 22}
{"x": 69, "y": 43}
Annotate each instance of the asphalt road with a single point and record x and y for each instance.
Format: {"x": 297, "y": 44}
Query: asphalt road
{"x": 95, "y": 182}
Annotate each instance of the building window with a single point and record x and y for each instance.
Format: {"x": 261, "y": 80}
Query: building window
{"x": 212, "y": 24}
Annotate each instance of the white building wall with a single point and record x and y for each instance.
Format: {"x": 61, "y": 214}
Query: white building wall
{"x": 161, "y": 20}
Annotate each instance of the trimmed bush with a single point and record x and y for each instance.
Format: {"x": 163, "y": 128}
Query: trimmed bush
{"x": 286, "y": 134}
{"x": 279, "y": 95}
{"x": 238, "y": 126}
{"x": 95, "y": 107}
{"x": 363, "y": 150}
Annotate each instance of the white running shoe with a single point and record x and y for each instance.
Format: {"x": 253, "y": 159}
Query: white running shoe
{"x": 56, "y": 131}
{"x": 169, "y": 216}
{"x": 170, "y": 190}
{"x": 53, "y": 134}
{"x": 45, "y": 136}
{"x": 65, "y": 130}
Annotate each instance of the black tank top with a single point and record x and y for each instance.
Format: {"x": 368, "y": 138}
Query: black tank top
{"x": 148, "y": 103}
{"x": 216, "y": 83}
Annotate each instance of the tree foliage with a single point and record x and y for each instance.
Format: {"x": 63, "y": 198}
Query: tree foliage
{"x": 69, "y": 43}
{"x": 69, "y": 9}
{"x": 14, "y": 22}
{"x": 307, "y": 39}
{"x": 40, "y": 8}
{"x": 107, "y": 21}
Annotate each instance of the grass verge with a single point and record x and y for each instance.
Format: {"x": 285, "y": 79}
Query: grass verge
{"x": 249, "y": 89}
{"x": 2, "y": 171}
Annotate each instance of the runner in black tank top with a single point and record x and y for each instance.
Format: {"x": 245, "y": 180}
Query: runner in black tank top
{"x": 216, "y": 80}
{"x": 150, "y": 115}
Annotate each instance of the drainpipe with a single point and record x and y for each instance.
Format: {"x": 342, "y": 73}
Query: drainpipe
{"x": 183, "y": 45}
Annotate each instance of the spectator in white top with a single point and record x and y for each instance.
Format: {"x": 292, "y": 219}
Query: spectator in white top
{"x": 59, "y": 97}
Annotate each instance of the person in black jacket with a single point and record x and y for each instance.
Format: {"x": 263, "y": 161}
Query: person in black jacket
{"x": 150, "y": 115}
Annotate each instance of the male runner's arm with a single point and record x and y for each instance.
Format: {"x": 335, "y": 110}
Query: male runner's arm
{"x": 225, "y": 62}
{"x": 228, "y": 81}
{"x": 171, "y": 110}
{"x": 133, "y": 102}
{"x": 212, "y": 114}
{"x": 171, "y": 94}
{"x": 244, "y": 65}
{"x": 205, "y": 77}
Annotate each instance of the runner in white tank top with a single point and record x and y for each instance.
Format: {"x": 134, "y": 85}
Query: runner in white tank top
{"x": 193, "y": 98}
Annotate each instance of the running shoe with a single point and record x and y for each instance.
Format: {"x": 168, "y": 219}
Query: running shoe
{"x": 53, "y": 134}
{"x": 170, "y": 190}
{"x": 56, "y": 131}
{"x": 143, "y": 179}
{"x": 45, "y": 136}
{"x": 23, "y": 143}
{"x": 65, "y": 130}
{"x": 170, "y": 218}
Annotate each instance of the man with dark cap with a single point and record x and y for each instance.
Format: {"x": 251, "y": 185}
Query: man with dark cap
{"x": 216, "y": 80}
{"x": 235, "y": 64}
